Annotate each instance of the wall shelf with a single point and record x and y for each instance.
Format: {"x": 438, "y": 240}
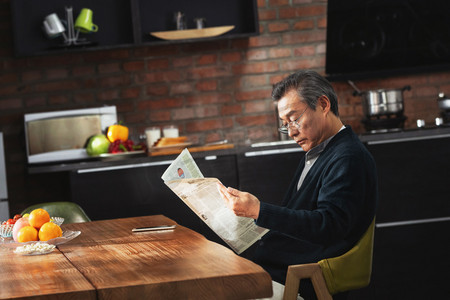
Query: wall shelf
{"x": 127, "y": 23}
{"x": 173, "y": 35}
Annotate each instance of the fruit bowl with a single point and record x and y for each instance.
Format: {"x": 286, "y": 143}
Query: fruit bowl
{"x": 67, "y": 236}
{"x": 6, "y": 230}
{"x": 57, "y": 220}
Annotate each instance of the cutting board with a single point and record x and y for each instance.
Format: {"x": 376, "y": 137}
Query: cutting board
{"x": 192, "y": 149}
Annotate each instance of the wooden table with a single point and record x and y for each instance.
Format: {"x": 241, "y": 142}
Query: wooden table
{"x": 108, "y": 261}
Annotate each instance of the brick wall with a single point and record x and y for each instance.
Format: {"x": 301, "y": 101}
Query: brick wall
{"x": 210, "y": 90}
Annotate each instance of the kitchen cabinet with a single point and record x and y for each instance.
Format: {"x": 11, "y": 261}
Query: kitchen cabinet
{"x": 409, "y": 262}
{"x": 413, "y": 178}
{"x": 411, "y": 244}
{"x": 137, "y": 190}
{"x": 126, "y": 23}
{"x": 268, "y": 173}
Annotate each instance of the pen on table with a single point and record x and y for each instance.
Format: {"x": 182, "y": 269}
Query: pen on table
{"x": 154, "y": 228}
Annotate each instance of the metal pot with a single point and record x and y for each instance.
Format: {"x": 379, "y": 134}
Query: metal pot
{"x": 381, "y": 102}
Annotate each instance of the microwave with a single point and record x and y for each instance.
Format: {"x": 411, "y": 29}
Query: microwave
{"x": 62, "y": 135}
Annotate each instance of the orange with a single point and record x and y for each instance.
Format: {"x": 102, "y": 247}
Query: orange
{"x": 27, "y": 234}
{"x": 49, "y": 231}
{"x": 38, "y": 217}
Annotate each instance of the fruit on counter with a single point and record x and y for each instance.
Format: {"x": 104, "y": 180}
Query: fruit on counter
{"x": 27, "y": 234}
{"x": 117, "y": 132}
{"x": 38, "y": 217}
{"x": 98, "y": 144}
{"x": 44, "y": 228}
{"x": 12, "y": 221}
{"x": 22, "y": 222}
{"x": 49, "y": 231}
{"x": 120, "y": 146}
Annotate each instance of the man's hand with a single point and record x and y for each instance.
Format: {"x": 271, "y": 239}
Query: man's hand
{"x": 243, "y": 204}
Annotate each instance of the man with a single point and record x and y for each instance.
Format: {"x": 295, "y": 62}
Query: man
{"x": 180, "y": 173}
{"x": 332, "y": 198}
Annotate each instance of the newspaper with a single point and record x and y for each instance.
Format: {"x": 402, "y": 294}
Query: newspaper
{"x": 201, "y": 195}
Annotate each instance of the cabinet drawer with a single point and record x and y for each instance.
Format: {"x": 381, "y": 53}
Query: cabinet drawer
{"x": 413, "y": 179}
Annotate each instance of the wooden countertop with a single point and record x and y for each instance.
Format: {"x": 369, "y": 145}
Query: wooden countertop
{"x": 110, "y": 262}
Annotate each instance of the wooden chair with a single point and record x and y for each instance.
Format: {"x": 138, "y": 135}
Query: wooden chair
{"x": 70, "y": 211}
{"x": 329, "y": 276}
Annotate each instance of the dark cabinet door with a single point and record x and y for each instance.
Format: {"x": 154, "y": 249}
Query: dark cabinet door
{"x": 410, "y": 259}
{"x": 409, "y": 262}
{"x": 413, "y": 179}
{"x": 267, "y": 174}
{"x": 137, "y": 190}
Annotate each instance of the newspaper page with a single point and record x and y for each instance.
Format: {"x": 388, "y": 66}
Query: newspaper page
{"x": 183, "y": 166}
{"x": 201, "y": 195}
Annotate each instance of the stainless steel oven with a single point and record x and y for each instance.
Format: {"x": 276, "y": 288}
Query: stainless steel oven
{"x": 61, "y": 135}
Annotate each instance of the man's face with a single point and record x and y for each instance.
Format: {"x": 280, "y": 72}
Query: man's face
{"x": 311, "y": 131}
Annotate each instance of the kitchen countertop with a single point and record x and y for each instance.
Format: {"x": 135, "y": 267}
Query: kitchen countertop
{"x": 143, "y": 160}
{"x": 140, "y": 160}
{"x": 406, "y": 135}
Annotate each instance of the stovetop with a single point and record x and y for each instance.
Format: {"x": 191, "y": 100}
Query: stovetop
{"x": 386, "y": 123}
{"x": 399, "y": 134}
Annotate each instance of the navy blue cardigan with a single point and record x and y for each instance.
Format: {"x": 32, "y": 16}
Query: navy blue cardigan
{"x": 327, "y": 216}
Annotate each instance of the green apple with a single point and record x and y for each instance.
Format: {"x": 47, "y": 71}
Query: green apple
{"x": 97, "y": 145}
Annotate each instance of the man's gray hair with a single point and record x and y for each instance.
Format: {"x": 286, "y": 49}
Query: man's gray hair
{"x": 309, "y": 86}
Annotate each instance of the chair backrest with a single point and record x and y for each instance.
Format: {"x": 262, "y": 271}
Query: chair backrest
{"x": 71, "y": 212}
{"x": 351, "y": 270}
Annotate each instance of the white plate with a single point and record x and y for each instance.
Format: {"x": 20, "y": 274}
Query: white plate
{"x": 66, "y": 237}
{"x": 36, "y": 253}
{"x": 44, "y": 249}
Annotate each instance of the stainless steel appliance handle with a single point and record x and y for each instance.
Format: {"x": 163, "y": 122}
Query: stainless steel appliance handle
{"x": 411, "y": 222}
{"x": 271, "y": 152}
{"x": 123, "y": 167}
{"x": 408, "y": 139}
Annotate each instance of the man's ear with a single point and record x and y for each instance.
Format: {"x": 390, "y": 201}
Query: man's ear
{"x": 324, "y": 103}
